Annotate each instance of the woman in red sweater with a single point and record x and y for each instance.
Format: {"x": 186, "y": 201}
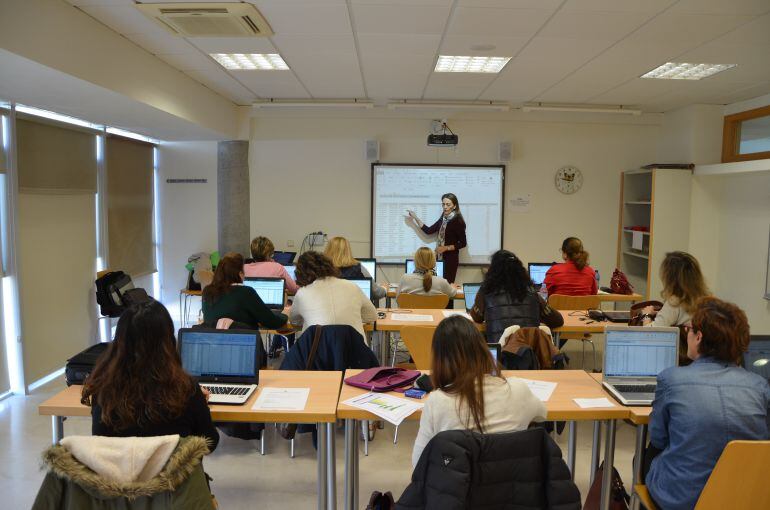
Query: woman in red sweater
{"x": 574, "y": 277}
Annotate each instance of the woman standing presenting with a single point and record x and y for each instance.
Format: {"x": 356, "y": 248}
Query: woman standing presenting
{"x": 451, "y": 234}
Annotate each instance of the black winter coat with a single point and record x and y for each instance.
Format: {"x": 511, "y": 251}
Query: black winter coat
{"x": 340, "y": 348}
{"x": 460, "y": 469}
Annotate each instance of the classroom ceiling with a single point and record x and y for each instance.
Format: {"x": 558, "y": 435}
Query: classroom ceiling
{"x": 563, "y": 51}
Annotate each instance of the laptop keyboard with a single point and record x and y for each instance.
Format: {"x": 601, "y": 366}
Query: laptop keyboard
{"x": 635, "y": 388}
{"x": 227, "y": 390}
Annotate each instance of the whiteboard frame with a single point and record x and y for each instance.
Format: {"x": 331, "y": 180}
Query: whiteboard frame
{"x": 501, "y": 166}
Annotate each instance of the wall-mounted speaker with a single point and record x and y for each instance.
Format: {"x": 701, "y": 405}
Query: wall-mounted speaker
{"x": 372, "y": 150}
{"x": 504, "y": 151}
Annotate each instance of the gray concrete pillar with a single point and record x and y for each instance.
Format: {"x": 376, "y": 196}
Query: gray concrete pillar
{"x": 233, "y": 196}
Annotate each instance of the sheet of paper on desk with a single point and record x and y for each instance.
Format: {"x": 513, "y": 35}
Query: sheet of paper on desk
{"x": 281, "y": 399}
{"x": 542, "y": 389}
{"x": 389, "y": 408}
{"x": 587, "y": 403}
{"x": 637, "y": 240}
{"x": 449, "y": 313}
{"x": 411, "y": 317}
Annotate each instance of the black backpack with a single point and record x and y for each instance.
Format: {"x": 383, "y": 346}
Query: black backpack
{"x": 110, "y": 288}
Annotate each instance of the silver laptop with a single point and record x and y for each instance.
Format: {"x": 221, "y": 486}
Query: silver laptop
{"x": 224, "y": 361}
{"x": 537, "y": 271}
{"x": 409, "y": 267}
{"x": 470, "y": 290}
{"x": 633, "y": 358}
{"x": 270, "y": 290}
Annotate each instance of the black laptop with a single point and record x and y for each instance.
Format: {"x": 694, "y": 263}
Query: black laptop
{"x": 284, "y": 257}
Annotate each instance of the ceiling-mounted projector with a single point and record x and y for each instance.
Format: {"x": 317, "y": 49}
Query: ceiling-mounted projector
{"x": 439, "y": 137}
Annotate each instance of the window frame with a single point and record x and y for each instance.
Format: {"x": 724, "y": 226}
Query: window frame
{"x": 731, "y": 135}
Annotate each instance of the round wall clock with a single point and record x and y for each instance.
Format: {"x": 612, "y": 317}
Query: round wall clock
{"x": 568, "y": 179}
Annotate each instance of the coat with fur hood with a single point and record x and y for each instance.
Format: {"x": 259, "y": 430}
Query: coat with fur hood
{"x": 180, "y": 485}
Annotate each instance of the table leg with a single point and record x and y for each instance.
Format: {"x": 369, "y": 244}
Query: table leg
{"x": 262, "y": 441}
{"x": 596, "y": 447}
{"x": 331, "y": 466}
{"x": 322, "y": 466}
{"x": 609, "y": 457}
{"x": 571, "y": 447}
{"x": 57, "y": 429}
{"x": 641, "y": 441}
{"x": 384, "y": 347}
{"x": 351, "y": 464}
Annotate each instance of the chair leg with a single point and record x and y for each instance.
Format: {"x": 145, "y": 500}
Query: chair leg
{"x": 593, "y": 348}
{"x": 395, "y": 436}
{"x": 583, "y": 354}
{"x": 365, "y": 429}
{"x": 291, "y": 448}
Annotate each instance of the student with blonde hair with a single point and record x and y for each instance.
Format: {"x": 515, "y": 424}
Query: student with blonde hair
{"x": 262, "y": 250}
{"x": 683, "y": 286}
{"x": 423, "y": 280}
{"x": 339, "y": 252}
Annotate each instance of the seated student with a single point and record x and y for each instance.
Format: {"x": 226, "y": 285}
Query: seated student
{"x": 423, "y": 280}
{"x": 227, "y": 298}
{"x": 574, "y": 277}
{"x": 262, "y": 251}
{"x": 683, "y": 286}
{"x": 339, "y": 252}
{"x": 701, "y": 407}
{"x": 325, "y": 299}
{"x": 507, "y": 297}
{"x": 139, "y": 388}
{"x": 469, "y": 391}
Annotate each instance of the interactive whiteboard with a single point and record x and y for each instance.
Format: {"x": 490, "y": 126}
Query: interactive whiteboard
{"x": 396, "y": 188}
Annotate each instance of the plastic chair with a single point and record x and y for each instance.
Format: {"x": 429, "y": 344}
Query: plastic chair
{"x": 561, "y": 302}
{"x": 735, "y": 482}
{"x": 418, "y": 341}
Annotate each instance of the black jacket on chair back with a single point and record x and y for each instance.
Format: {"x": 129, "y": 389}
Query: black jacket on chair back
{"x": 339, "y": 348}
{"x": 460, "y": 469}
{"x": 501, "y": 311}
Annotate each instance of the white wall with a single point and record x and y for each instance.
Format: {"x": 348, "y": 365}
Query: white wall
{"x": 692, "y": 134}
{"x": 308, "y": 173}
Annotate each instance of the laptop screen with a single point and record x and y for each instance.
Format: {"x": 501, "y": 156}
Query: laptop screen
{"x": 370, "y": 265}
{"x": 365, "y": 284}
{"x": 470, "y": 290}
{"x": 292, "y": 270}
{"x": 284, "y": 257}
{"x": 270, "y": 290}
{"x": 537, "y": 271}
{"x": 409, "y": 269}
{"x": 757, "y": 358}
{"x": 215, "y": 354}
{"x": 639, "y": 351}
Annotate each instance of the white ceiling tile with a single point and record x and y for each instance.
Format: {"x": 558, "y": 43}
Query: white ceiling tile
{"x": 434, "y": 3}
{"x": 504, "y": 46}
{"x": 99, "y": 2}
{"x": 297, "y": 44}
{"x": 756, "y": 31}
{"x": 224, "y": 84}
{"x": 399, "y": 19}
{"x": 272, "y": 84}
{"x": 513, "y": 4}
{"x": 488, "y": 21}
{"x": 394, "y": 76}
{"x": 617, "y": 5}
{"x": 404, "y": 44}
{"x": 294, "y": 3}
{"x": 191, "y": 60}
{"x": 233, "y": 44}
{"x": 306, "y": 18}
{"x": 456, "y": 86}
{"x": 694, "y": 29}
{"x": 753, "y": 7}
{"x": 636, "y": 92}
{"x": 603, "y": 26}
{"x": 160, "y": 43}
{"x": 332, "y": 75}
{"x": 556, "y": 50}
{"x": 124, "y": 19}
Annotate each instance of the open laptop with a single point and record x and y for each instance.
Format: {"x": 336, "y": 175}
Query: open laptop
{"x": 224, "y": 361}
{"x": 270, "y": 290}
{"x": 292, "y": 270}
{"x": 370, "y": 265}
{"x": 365, "y": 284}
{"x": 757, "y": 358}
{"x": 633, "y": 358}
{"x": 470, "y": 290}
{"x": 284, "y": 257}
{"x": 409, "y": 267}
{"x": 537, "y": 271}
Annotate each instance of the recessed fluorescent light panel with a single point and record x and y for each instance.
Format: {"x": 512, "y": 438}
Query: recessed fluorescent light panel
{"x": 462, "y": 64}
{"x": 251, "y": 61}
{"x": 685, "y": 71}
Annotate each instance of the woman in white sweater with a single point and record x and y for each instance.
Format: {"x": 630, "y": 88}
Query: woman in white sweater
{"x": 469, "y": 391}
{"x": 424, "y": 280}
{"x": 325, "y": 299}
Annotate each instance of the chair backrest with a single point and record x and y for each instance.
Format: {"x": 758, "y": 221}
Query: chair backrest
{"x": 561, "y": 302}
{"x": 421, "y": 302}
{"x": 205, "y": 277}
{"x": 738, "y": 479}
{"x": 419, "y": 340}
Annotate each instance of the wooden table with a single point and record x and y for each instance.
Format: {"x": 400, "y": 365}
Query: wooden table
{"x": 321, "y": 408}
{"x": 617, "y": 298}
{"x": 561, "y": 407}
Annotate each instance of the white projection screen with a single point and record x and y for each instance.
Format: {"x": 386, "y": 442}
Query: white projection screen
{"x": 398, "y": 187}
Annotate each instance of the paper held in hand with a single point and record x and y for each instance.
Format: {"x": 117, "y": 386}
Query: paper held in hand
{"x": 389, "y": 408}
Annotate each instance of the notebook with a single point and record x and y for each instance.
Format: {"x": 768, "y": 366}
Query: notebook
{"x": 537, "y": 271}
{"x": 633, "y": 358}
{"x": 284, "y": 257}
{"x": 365, "y": 284}
{"x": 470, "y": 290}
{"x": 409, "y": 267}
{"x": 270, "y": 290}
{"x": 370, "y": 265}
{"x": 224, "y": 361}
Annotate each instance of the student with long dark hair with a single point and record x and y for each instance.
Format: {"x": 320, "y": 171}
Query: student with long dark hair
{"x": 227, "y": 298}
{"x": 139, "y": 388}
{"x": 469, "y": 391}
{"x": 450, "y": 228}
{"x": 508, "y": 298}
{"x": 573, "y": 277}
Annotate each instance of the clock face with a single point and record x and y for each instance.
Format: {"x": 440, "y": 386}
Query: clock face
{"x": 568, "y": 179}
